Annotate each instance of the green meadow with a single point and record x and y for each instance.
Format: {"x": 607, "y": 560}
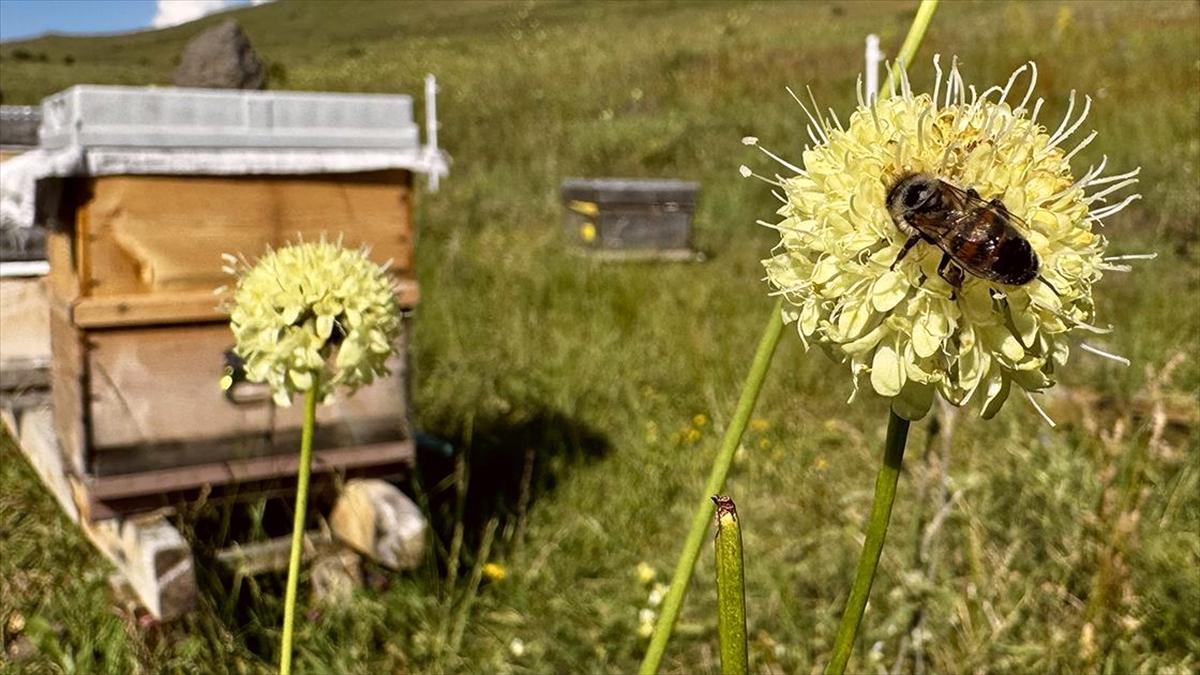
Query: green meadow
{"x": 585, "y": 400}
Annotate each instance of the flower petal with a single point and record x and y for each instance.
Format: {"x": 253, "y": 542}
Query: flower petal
{"x": 887, "y": 373}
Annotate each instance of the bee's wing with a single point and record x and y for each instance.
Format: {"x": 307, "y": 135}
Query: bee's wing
{"x": 970, "y": 203}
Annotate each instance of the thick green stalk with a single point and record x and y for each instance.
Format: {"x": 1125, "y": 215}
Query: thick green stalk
{"x": 868, "y": 562}
{"x": 716, "y": 481}
{"x": 916, "y": 32}
{"x": 302, "y": 480}
{"x": 731, "y": 590}
{"x": 897, "y": 434}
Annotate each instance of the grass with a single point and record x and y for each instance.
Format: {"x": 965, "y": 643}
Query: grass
{"x": 1035, "y": 550}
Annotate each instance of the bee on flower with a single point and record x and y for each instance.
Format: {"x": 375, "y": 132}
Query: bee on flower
{"x": 941, "y": 243}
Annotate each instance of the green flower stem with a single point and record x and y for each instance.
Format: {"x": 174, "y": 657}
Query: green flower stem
{"x": 302, "y": 479}
{"x": 731, "y": 589}
{"x": 893, "y": 455}
{"x": 868, "y": 562}
{"x": 716, "y": 481}
{"x": 916, "y": 33}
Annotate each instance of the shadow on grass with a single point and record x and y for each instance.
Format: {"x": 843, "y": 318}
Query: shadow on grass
{"x": 474, "y": 470}
{"x": 470, "y": 471}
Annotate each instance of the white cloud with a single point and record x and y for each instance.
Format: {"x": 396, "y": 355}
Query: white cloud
{"x": 174, "y": 12}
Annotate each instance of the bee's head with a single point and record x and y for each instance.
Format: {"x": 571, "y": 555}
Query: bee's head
{"x": 914, "y": 192}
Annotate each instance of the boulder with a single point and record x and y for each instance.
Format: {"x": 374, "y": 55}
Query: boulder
{"x": 221, "y": 58}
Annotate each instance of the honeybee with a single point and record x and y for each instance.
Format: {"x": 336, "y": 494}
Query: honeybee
{"x": 975, "y": 235}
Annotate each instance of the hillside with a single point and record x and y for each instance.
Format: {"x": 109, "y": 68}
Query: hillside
{"x": 1072, "y": 549}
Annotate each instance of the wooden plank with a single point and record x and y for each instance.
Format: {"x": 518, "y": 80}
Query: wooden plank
{"x": 334, "y": 572}
{"x": 62, "y": 280}
{"x": 147, "y": 551}
{"x": 178, "y": 307}
{"x": 272, "y": 555}
{"x": 372, "y": 209}
{"x": 379, "y": 521}
{"x": 21, "y": 375}
{"x": 104, "y": 488}
{"x": 25, "y": 316}
{"x": 34, "y": 431}
{"x": 155, "y": 403}
{"x": 107, "y": 311}
{"x": 161, "y": 385}
{"x": 133, "y": 241}
{"x": 640, "y": 255}
{"x": 68, "y": 370}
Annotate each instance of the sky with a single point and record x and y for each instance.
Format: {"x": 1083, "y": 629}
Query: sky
{"x": 28, "y": 18}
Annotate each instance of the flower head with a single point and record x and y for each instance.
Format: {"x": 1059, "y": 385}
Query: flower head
{"x": 312, "y": 312}
{"x": 907, "y": 325}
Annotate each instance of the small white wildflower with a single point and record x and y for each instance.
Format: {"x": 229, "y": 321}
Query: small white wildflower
{"x": 657, "y": 594}
{"x": 517, "y": 647}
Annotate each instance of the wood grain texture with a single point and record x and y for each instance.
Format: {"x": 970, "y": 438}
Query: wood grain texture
{"x": 177, "y": 307}
{"x": 25, "y": 318}
{"x": 68, "y": 388}
{"x": 145, "y": 234}
{"x": 154, "y": 402}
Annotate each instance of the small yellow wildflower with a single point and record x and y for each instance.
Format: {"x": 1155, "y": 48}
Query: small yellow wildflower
{"x": 759, "y": 424}
{"x": 700, "y": 420}
{"x": 820, "y": 463}
{"x": 763, "y": 444}
{"x": 646, "y": 573}
{"x": 691, "y": 436}
{"x": 494, "y": 571}
{"x": 312, "y": 311}
{"x": 900, "y": 323}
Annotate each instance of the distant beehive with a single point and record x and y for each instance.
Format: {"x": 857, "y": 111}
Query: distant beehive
{"x": 19, "y": 127}
{"x": 622, "y": 217}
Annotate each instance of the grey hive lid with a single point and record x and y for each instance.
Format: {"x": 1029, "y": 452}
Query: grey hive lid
{"x": 630, "y": 190}
{"x": 171, "y": 117}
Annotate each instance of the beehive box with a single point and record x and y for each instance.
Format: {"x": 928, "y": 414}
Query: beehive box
{"x": 144, "y": 189}
{"x": 139, "y": 343}
{"x": 630, "y": 216}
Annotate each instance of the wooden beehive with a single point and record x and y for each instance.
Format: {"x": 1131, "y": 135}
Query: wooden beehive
{"x": 139, "y": 343}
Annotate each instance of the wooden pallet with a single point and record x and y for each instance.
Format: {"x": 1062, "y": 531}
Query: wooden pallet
{"x": 154, "y": 562}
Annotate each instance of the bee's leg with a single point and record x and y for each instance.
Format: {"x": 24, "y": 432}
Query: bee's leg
{"x": 912, "y": 241}
{"x": 999, "y": 206}
{"x": 952, "y": 274}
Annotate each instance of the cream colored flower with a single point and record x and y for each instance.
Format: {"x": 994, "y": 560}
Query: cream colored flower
{"x": 905, "y": 328}
{"x": 312, "y": 312}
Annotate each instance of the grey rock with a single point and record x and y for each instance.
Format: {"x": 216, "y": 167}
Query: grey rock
{"x": 221, "y": 58}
